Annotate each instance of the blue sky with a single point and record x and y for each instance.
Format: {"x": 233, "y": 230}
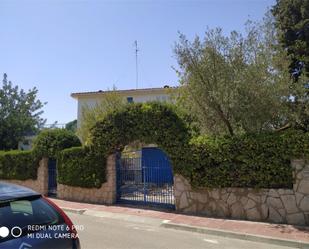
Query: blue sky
{"x": 63, "y": 46}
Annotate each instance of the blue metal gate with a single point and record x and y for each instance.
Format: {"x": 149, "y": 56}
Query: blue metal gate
{"x": 52, "y": 177}
{"x": 145, "y": 180}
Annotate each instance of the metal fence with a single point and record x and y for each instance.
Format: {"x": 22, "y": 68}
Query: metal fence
{"x": 144, "y": 182}
{"x": 52, "y": 177}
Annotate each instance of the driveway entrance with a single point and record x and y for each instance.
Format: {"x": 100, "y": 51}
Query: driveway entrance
{"x": 145, "y": 178}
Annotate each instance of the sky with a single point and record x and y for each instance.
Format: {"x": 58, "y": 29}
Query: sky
{"x": 61, "y": 46}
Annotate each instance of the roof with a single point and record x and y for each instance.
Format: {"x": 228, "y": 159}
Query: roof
{"x": 10, "y": 191}
{"x": 127, "y": 91}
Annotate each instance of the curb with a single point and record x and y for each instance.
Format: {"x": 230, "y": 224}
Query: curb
{"x": 235, "y": 235}
{"x": 117, "y": 216}
{"x": 204, "y": 230}
{"x": 124, "y": 217}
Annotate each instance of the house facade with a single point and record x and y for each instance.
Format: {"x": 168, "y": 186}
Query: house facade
{"x": 90, "y": 99}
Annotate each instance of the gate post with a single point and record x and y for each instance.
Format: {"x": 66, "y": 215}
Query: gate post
{"x": 42, "y": 176}
{"x": 111, "y": 178}
{"x": 118, "y": 172}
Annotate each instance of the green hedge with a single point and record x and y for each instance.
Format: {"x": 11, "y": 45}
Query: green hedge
{"x": 23, "y": 165}
{"x": 150, "y": 122}
{"x": 81, "y": 167}
{"x": 253, "y": 160}
{"x": 50, "y": 141}
{"x": 18, "y": 165}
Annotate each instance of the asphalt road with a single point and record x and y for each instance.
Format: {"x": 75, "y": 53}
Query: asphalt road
{"x": 112, "y": 233}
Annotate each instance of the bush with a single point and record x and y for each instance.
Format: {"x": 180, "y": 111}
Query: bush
{"x": 149, "y": 123}
{"x": 18, "y": 165}
{"x": 50, "y": 141}
{"x": 252, "y": 160}
{"x": 81, "y": 167}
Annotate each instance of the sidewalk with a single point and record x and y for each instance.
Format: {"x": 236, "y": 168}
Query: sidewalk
{"x": 284, "y": 234}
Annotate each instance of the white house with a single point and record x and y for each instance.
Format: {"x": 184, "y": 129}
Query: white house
{"x": 133, "y": 95}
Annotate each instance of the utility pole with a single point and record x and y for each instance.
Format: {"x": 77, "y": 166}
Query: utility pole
{"x": 136, "y": 63}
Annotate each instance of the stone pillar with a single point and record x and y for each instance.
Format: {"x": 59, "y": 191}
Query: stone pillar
{"x": 42, "y": 177}
{"x": 301, "y": 186}
{"x": 182, "y": 189}
{"x": 111, "y": 183}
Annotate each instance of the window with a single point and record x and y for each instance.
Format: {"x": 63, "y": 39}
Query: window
{"x": 130, "y": 99}
{"x": 29, "y": 211}
{"x": 22, "y": 206}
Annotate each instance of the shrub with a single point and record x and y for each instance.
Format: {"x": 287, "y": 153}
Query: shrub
{"x": 252, "y": 160}
{"x": 18, "y": 165}
{"x": 259, "y": 160}
{"x": 149, "y": 123}
{"x": 50, "y": 141}
{"x": 81, "y": 167}
{"x": 112, "y": 101}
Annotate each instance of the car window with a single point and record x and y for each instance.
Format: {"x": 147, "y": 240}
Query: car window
{"x": 22, "y": 206}
{"x": 26, "y": 212}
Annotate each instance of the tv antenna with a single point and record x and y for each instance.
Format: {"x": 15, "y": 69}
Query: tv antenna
{"x": 136, "y": 63}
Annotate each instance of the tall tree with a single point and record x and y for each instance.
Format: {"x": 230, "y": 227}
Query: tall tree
{"x": 292, "y": 22}
{"x": 20, "y": 114}
{"x": 91, "y": 114}
{"x": 234, "y": 83}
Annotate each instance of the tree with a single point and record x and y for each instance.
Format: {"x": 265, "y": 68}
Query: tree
{"x": 234, "y": 83}
{"x": 292, "y": 23}
{"x": 20, "y": 114}
{"x": 71, "y": 126}
{"x": 92, "y": 114}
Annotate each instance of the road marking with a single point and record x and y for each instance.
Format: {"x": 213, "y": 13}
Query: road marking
{"x": 211, "y": 241}
{"x": 148, "y": 229}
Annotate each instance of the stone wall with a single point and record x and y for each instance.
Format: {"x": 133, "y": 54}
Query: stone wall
{"x": 104, "y": 195}
{"x": 41, "y": 183}
{"x": 272, "y": 205}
